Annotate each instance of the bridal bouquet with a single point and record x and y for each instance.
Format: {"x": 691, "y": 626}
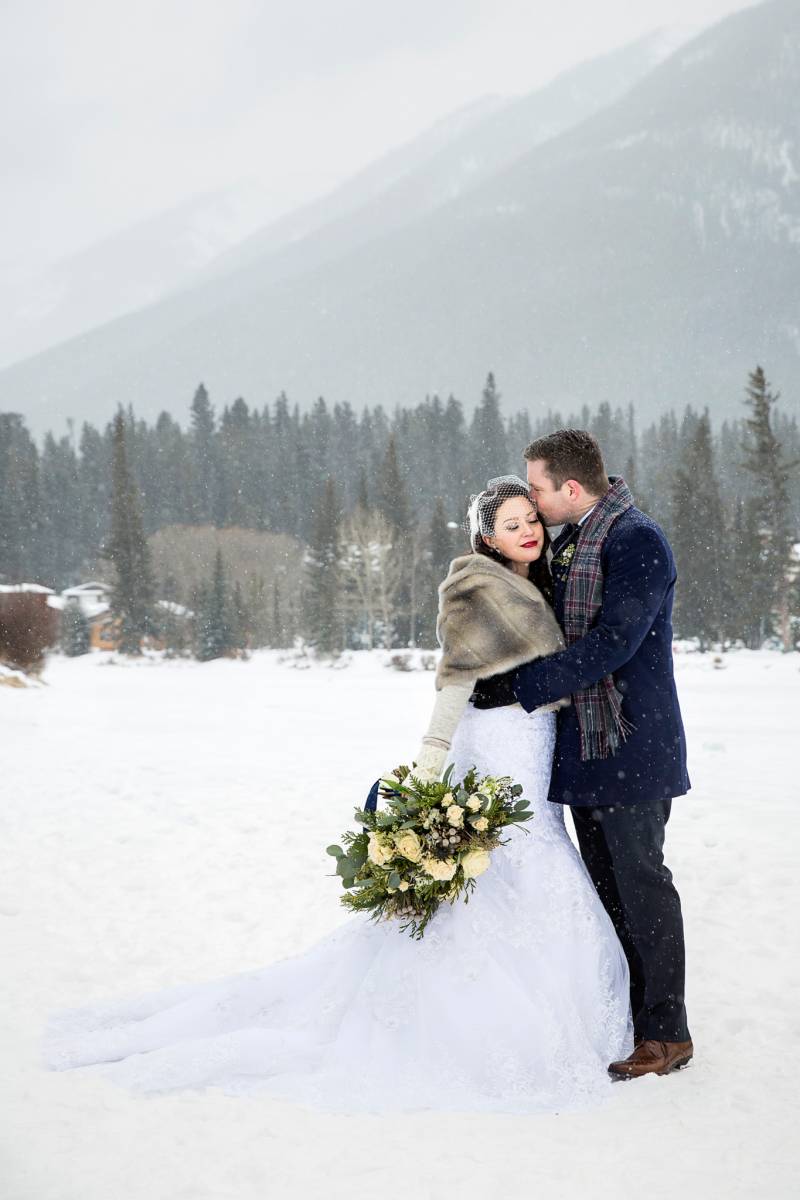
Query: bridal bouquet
{"x": 430, "y": 843}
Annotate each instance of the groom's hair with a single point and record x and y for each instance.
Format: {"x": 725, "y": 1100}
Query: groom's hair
{"x": 571, "y": 454}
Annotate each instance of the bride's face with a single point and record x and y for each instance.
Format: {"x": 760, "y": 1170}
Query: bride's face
{"x": 518, "y": 532}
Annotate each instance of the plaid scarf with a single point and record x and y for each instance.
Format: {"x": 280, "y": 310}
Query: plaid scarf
{"x": 599, "y": 707}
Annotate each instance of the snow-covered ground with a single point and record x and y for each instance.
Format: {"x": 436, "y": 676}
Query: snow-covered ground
{"x": 166, "y": 822}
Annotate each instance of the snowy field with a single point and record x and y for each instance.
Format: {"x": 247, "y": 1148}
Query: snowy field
{"x": 166, "y": 823}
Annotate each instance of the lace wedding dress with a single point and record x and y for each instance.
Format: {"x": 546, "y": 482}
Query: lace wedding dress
{"x": 514, "y": 1002}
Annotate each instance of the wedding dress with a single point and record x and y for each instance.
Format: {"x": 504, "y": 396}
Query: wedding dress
{"x": 513, "y": 1002}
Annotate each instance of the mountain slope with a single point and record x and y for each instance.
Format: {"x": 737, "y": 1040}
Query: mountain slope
{"x": 409, "y": 182}
{"x": 454, "y": 156}
{"x": 174, "y": 249}
{"x": 125, "y": 271}
{"x": 648, "y": 255}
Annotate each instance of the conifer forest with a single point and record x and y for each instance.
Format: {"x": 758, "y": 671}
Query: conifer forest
{"x": 264, "y": 526}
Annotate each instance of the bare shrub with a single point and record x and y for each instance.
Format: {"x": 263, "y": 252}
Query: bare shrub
{"x": 28, "y": 628}
{"x": 373, "y": 574}
{"x": 267, "y": 566}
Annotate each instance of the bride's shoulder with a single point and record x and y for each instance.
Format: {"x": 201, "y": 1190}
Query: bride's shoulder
{"x": 468, "y": 568}
{"x": 501, "y": 617}
{"x": 477, "y": 572}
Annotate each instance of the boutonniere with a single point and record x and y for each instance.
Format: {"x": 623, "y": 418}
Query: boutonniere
{"x": 565, "y": 557}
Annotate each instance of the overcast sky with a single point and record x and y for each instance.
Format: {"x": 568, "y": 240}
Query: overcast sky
{"x": 111, "y": 111}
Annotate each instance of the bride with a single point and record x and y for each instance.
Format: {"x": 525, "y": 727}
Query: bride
{"x": 515, "y": 1002}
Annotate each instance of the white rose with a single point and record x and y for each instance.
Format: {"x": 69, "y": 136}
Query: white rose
{"x": 438, "y": 868}
{"x": 447, "y": 799}
{"x": 474, "y": 803}
{"x": 455, "y": 815}
{"x": 379, "y": 851}
{"x": 480, "y": 823}
{"x": 404, "y": 885}
{"x": 409, "y": 845}
{"x": 474, "y": 863}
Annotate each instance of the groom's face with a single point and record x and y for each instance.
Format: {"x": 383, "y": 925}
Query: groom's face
{"x": 554, "y": 504}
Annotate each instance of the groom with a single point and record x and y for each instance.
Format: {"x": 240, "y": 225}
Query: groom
{"x": 620, "y": 752}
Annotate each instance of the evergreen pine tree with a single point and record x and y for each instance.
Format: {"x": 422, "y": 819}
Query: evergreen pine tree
{"x": 763, "y": 459}
{"x": 94, "y": 475}
{"x": 362, "y": 495}
{"x": 75, "y": 635}
{"x": 300, "y": 473}
{"x": 746, "y": 602}
{"x": 487, "y": 437}
{"x": 392, "y": 499}
{"x": 658, "y": 455}
{"x": 277, "y": 635}
{"x": 238, "y": 503}
{"x": 323, "y": 601}
{"x": 61, "y": 505}
{"x": 394, "y": 505}
{"x": 699, "y": 541}
{"x": 519, "y": 436}
{"x": 440, "y": 550}
{"x": 23, "y": 551}
{"x": 282, "y": 494}
{"x": 241, "y": 622}
{"x": 204, "y": 460}
{"x": 170, "y": 485}
{"x": 441, "y": 542}
{"x": 128, "y": 552}
{"x": 320, "y": 429}
{"x": 214, "y": 634}
{"x": 455, "y": 468}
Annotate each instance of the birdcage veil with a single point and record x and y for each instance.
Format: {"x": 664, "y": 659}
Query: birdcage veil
{"x": 483, "y": 508}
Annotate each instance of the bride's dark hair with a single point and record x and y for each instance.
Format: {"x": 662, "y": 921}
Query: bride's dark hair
{"x": 481, "y": 520}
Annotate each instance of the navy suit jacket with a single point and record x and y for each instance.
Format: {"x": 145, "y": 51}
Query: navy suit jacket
{"x": 631, "y": 638}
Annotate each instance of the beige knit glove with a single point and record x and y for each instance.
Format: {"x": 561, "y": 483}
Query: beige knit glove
{"x": 432, "y": 754}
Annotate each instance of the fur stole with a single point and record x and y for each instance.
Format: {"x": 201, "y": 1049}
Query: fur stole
{"x": 490, "y": 621}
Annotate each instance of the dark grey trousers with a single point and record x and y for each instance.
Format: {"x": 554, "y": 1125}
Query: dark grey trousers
{"x": 622, "y": 846}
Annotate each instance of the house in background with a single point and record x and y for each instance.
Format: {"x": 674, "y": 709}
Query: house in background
{"x": 88, "y": 595}
{"x": 94, "y": 600}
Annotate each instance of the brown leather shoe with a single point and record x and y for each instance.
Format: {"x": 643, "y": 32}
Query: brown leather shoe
{"x": 653, "y": 1058}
